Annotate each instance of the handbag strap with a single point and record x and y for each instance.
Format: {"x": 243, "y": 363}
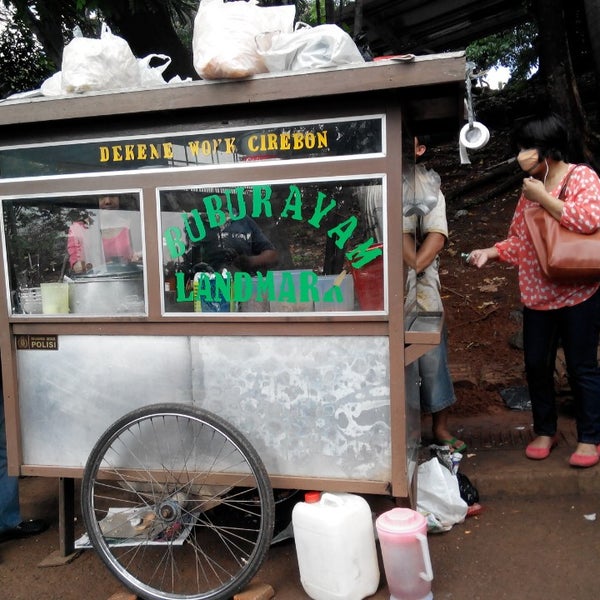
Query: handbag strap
{"x": 563, "y": 189}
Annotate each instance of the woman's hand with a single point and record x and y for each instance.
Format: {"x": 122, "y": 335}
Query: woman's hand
{"x": 534, "y": 190}
{"x": 481, "y": 256}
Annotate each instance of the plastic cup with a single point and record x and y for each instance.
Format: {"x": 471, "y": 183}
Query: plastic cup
{"x": 55, "y": 298}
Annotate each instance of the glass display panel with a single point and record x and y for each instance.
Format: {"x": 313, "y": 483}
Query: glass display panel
{"x": 301, "y": 140}
{"x": 75, "y": 254}
{"x": 410, "y": 225}
{"x": 309, "y": 246}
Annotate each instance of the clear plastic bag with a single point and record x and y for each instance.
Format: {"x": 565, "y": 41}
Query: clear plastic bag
{"x": 223, "y": 43}
{"x": 426, "y": 185}
{"x": 308, "y": 48}
{"x": 100, "y": 64}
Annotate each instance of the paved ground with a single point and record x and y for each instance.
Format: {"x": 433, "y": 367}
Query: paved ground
{"x": 536, "y": 537}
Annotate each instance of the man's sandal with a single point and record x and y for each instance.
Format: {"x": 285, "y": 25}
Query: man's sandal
{"x": 452, "y": 442}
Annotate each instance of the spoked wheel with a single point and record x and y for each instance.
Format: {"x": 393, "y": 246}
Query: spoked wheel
{"x": 178, "y": 504}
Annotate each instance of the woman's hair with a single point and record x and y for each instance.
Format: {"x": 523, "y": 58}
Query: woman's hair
{"x": 548, "y": 134}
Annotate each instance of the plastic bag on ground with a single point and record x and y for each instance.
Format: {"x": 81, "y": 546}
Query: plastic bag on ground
{"x": 223, "y": 42}
{"x": 468, "y": 492}
{"x": 308, "y": 48}
{"x": 438, "y": 495}
{"x": 516, "y": 398}
{"x": 100, "y": 64}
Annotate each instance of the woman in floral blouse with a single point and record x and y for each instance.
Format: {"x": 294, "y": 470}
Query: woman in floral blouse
{"x": 554, "y": 312}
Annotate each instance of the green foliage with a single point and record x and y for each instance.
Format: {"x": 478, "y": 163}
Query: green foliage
{"x": 307, "y": 12}
{"x": 22, "y": 62}
{"x": 37, "y": 239}
{"x": 514, "y": 49}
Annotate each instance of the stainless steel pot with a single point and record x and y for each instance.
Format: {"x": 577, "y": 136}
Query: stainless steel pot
{"x": 107, "y": 294}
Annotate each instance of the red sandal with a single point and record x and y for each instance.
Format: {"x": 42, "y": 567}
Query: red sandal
{"x": 536, "y": 453}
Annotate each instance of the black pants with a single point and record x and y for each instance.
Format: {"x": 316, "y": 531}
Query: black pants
{"x": 578, "y": 329}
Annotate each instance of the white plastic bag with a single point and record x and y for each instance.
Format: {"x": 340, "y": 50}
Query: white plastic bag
{"x": 151, "y": 76}
{"x": 52, "y": 86}
{"x": 99, "y": 64}
{"x": 438, "y": 494}
{"x": 308, "y": 48}
{"x": 223, "y": 42}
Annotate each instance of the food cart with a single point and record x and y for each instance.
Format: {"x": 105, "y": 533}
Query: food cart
{"x": 138, "y": 321}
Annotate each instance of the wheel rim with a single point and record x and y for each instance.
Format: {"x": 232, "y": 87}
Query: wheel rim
{"x": 191, "y": 507}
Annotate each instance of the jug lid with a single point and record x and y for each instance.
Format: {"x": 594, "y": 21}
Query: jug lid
{"x": 312, "y": 497}
{"x": 401, "y": 520}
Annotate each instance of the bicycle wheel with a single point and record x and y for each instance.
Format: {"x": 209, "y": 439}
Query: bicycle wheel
{"x": 178, "y": 504}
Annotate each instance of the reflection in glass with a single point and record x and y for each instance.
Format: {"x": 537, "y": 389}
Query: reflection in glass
{"x": 101, "y": 240}
{"x": 284, "y": 247}
{"x": 76, "y": 254}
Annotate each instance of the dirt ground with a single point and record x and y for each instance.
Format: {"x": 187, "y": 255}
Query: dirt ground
{"x": 517, "y": 548}
{"x": 482, "y": 306}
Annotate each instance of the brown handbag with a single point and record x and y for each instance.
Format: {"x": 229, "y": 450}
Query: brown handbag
{"x": 565, "y": 256}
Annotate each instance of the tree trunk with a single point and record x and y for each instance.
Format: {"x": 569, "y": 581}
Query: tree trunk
{"x": 592, "y": 13}
{"x": 340, "y": 10}
{"x": 329, "y": 11}
{"x": 557, "y": 71}
{"x": 152, "y": 32}
{"x": 358, "y": 17}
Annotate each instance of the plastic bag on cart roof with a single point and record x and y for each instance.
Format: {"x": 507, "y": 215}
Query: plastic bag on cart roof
{"x": 153, "y": 75}
{"x": 438, "y": 495}
{"x": 224, "y": 35}
{"x": 106, "y": 63}
{"x": 308, "y": 48}
{"x": 149, "y": 75}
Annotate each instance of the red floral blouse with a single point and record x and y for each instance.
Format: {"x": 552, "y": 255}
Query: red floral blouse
{"x": 581, "y": 212}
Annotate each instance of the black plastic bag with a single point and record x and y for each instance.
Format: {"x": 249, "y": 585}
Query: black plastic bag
{"x": 516, "y": 398}
{"x": 468, "y": 492}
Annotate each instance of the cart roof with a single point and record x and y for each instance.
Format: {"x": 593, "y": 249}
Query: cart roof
{"x": 431, "y": 86}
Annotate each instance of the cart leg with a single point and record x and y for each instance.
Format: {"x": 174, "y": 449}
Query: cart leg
{"x": 66, "y": 515}
{"x": 66, "y": 527}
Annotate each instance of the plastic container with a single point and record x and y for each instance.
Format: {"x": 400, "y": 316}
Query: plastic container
{"x": 31, "y": 300}
{"x": 55, "y": 298}
{"x": 335, "y": 546}
{"x": 251, "y": 302}
{"x": 402, "y": 535}
{"x": 324, "y": 285}
{"x": 220, "y": 292}
{"x": 293, "y": 281}
{"x": 368, "y": 283}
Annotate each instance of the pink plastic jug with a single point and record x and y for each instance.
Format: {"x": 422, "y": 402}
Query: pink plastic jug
{"x": 402, "y": 535}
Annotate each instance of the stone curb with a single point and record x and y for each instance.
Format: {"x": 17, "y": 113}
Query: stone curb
{"x": 496, "y": 464}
